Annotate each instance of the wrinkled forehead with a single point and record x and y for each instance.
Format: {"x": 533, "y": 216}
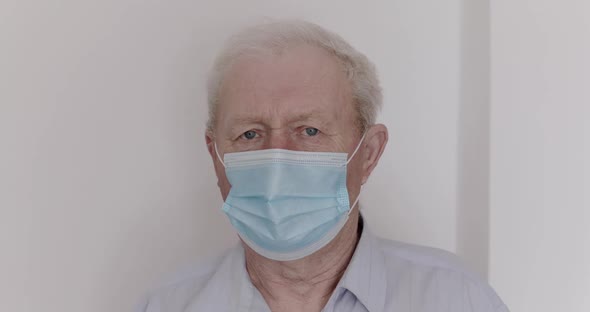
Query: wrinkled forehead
{"x": 303, "y": 81}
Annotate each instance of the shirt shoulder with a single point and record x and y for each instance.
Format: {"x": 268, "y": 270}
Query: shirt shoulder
{"x": 185, "y": 287}
{"x": 431, "y": 278}
{"x": 422, "y": 256}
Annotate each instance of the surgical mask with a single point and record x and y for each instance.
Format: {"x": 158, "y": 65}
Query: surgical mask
{"x": 285, "y": 204}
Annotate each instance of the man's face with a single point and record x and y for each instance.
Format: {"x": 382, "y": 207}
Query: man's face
{"x": 299, "y": 100}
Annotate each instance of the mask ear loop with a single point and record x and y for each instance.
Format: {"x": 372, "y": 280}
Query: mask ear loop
{"x": 217, "y": 153}
{"x": 357, "y": 148}
{"x": 349, "y": 159}
{"x": 354, "y": 204}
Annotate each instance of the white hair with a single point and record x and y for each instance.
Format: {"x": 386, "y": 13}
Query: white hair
{"x": 277, "y": 36}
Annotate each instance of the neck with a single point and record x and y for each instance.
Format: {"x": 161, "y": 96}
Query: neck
{"x": 305, "y": 284}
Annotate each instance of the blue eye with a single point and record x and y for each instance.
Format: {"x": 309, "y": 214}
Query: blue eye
{"x": 249, "y": 135}
{"x": 311, "y": 131}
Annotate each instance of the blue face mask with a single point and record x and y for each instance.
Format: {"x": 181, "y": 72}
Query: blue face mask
{"x": 286, "y": 204}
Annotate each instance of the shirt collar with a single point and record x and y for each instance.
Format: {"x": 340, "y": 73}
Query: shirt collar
{"x": 364, "y": 277}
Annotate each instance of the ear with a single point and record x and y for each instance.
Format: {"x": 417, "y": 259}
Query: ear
{"x": 222, "y": 181}
{"x": 374, "y": 145}
{"x": 210, "y": 141}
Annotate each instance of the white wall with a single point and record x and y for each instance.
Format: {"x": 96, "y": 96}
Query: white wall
{"x": 540, "y": 152}
{"x": 107, "y": 186}
{"x": 473, "y": 147}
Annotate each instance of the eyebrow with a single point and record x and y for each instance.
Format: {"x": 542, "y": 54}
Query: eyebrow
{"x": 252, "y": 119}
{"x": 245, "y": 119}
{"x": 306, "y": 116}
{"x": 239, "y": 121}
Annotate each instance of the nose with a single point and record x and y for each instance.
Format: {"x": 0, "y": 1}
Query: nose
{"x": 279, "y": 139}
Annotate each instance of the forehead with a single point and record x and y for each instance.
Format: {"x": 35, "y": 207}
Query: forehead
{"x": 302, "y": 80}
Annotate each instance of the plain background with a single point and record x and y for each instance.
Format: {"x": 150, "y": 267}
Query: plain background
{"x": 107, "y": 188}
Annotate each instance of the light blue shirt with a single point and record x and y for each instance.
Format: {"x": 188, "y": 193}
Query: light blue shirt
{"x": 382, "y": 275}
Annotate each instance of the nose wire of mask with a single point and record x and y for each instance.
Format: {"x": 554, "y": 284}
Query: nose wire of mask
{"x": 349, "y": 159}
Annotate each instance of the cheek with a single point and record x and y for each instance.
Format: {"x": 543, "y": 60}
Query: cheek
{"x": 222, "y": 181}
{"x": 354, "y": 175}
{"x": 353, "y": 181}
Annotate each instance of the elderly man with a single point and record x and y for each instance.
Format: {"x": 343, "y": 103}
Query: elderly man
{"x": 293, "y": 138}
